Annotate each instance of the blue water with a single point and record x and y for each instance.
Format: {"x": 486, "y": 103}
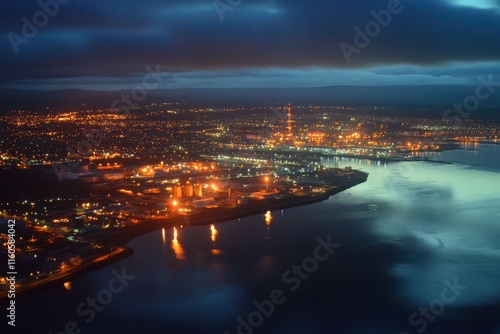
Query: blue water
{"x": 402, "y": 238}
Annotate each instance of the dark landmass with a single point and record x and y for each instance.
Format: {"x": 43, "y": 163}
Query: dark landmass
{"x": 18, "y": 184}
{"x": 403, "y": 101}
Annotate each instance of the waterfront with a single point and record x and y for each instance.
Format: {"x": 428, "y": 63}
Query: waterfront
{"x": 402, "y": 233}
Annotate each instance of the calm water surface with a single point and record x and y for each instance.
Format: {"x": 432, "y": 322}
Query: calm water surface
{"x": 403, "y": 235}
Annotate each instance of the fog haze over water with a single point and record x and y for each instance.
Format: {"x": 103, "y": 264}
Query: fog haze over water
{"x": 406, "y": 233}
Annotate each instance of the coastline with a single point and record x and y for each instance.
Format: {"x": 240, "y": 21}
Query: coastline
{"x": 214, "y": 216}
{"x": 47, "y": 283}
{"x": 444, "y": 147}
{"x": 118, "y": 239}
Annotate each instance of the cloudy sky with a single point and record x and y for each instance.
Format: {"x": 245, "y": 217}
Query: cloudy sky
{"x": 247, "y": 43}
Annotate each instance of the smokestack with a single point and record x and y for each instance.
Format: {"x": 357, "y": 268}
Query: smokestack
{"x": 289, "y": 122}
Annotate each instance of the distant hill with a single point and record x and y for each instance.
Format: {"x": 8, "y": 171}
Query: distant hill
{"x": 410, "y": 98}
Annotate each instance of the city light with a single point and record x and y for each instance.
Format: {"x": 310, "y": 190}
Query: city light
{"x": 213, "y": 232}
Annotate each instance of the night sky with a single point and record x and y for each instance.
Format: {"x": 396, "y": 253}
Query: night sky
{"x": 106, "y": 45}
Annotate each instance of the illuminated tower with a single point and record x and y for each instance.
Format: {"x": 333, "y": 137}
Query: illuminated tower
{"x": 289, "y": 123}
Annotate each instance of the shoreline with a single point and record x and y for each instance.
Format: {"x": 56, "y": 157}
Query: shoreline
{"x": 216, "y": 216}
{"x": 48, "y": 283}
{"x": 119, "y": 238}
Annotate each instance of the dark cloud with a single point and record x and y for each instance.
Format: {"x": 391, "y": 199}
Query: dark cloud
{"x": 118, "y": 38}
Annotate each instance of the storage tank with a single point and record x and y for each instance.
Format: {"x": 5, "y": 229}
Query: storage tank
{"x": 188, "y": 190}
{"x": 198, "y": 190}
{"x": 177, "y": 192}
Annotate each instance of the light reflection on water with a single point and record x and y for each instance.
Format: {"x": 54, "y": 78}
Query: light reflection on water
{"x": 176, "y": 246}
{"x": 446, "y": 214}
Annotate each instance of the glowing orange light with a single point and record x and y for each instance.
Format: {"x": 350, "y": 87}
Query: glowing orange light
{"x": 214, "y": 233}
{"x": 268, "y": 218}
